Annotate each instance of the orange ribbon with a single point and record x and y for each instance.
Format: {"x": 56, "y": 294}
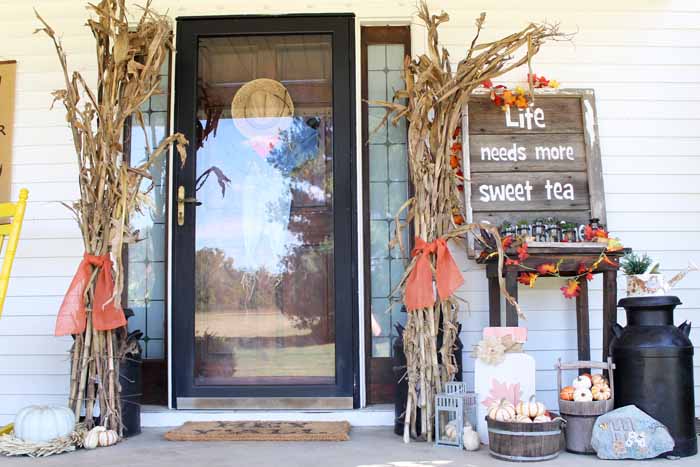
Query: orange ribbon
{"x": 419, "y": 285}
{"x": 72, "y": 317}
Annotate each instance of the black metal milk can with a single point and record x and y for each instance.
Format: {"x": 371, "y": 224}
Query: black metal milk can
{"x": 654, "y": 367}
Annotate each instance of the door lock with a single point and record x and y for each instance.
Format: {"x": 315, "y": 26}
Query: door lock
{"x": 181, "y": 200}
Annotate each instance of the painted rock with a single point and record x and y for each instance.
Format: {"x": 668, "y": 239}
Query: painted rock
{"x": 629, "y": 433}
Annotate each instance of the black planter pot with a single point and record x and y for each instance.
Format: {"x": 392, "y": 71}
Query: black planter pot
{"x": 131, "y": 382}
{"x": 654, "y": 367}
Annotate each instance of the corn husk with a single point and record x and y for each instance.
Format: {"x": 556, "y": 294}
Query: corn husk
{"x": 432, "y": 103}
{"x": 129, "y": 59}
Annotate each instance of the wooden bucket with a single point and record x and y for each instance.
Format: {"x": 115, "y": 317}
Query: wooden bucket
{"x": 525, "y": 442}
{"x": 581, "y": 416}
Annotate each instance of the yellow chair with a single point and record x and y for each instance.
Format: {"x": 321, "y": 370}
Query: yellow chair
{"x": 15, "y": 211}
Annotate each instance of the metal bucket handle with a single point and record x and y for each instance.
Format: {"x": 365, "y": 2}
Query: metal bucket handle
{"x": 609, "y": 365}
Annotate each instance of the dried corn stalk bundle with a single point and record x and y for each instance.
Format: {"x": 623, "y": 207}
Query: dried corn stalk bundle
{"x": 129, "y": 58}
{"x": 435, "y": 96}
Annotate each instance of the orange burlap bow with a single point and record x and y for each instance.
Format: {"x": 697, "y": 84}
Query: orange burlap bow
{"x": 419, "y": 285}
{"x": 72, "y": 317}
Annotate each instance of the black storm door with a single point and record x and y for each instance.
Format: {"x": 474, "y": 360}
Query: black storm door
{"x": 264, "y": 224}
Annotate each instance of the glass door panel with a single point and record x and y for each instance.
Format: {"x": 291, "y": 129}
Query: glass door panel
{"x": 264, "y": 228}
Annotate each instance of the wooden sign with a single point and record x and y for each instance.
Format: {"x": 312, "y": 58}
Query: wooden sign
{"x": 534, "y": 163}
{"x": 7, "y": 110}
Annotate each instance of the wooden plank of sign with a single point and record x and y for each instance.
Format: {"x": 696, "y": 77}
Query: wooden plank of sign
{"x": 497, "y": 218}
{"x": 561, "y": 115}
{"x": 543, "y": 152}
{"x": 495, "y": 185}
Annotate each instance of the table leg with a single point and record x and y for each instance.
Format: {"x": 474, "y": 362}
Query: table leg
{"x": 609, "y": 309}
{"x": 512, "y": 288}
{"x": 583, "y": 333}
{"x": 494, "y": 302}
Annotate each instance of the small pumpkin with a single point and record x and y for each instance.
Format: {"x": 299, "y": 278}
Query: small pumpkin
{"x": 542, "y": 419}
{"x": 451, "y": 430}
{"x": 91, "y": 439}
{"x": 502, "y": 411}
{"x": 531, "y": 408}
{"x": 107, "y": 438}
{"x": 567, "y": 393}
{"x": 42, "y": 423}
{"x": 583, "y": 395}
{"x": 522, "y": 419}
{"x": 582, "y": 382}
{"x": 601, "y": 392}
{"x": 597, "y": 379}
{"x": 470, "y": 438}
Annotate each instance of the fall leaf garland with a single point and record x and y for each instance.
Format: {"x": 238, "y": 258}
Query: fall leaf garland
{"x": 572, "y": 288}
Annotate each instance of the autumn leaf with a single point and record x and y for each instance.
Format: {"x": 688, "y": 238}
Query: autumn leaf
{"x": 500, "y": 391}
{"x": 454, "y": 162}
{"x": 584, "y": 271}
{"x": 456, "y": 147}
{"x": 522, "y": 252}
{"x": 512, "y": 262}
{"x": 547, "y": 269}
{"x": 457, "y": 132}
{"x": 571, "y": 289}
{"x": 508, "y": 98}
{"x": 521, "y": 102}
{"x": 507, "y": 241}
{"x": 487, "y": 84}
{"x": 614, "y": 244}
{"x": 527, "y": 278}
{"x": 608, "y": 261}
{"x": 553, "y": 83}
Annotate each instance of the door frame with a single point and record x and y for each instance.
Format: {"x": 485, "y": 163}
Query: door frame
{"x": 379, "y": 374}
{"x": 345, "y": 393}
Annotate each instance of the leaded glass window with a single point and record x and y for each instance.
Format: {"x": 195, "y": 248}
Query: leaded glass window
{"x": 388, "y": 190}
{"x": 146, "y": 268}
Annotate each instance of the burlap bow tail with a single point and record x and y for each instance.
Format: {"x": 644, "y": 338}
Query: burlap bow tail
{"x": 419, "y": 285}
{"x": 72, "y": 317}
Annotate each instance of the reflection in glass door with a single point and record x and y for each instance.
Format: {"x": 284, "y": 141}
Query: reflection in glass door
{"x": 265, "y": 224}
{"x": 261, "y": 202}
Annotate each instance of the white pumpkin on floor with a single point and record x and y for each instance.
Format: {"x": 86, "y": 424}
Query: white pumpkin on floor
{"x": 100, "y": 436}
{"x": 42, "y": 423}
{"x": 470, "y": 438}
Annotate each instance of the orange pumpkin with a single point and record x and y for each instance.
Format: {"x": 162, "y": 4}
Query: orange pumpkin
{"x": 567, "y": 393}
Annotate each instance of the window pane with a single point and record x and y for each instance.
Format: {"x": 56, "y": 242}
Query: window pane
{"x": 388, "y": 191}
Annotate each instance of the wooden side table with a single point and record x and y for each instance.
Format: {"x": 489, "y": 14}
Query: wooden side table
{"x": 572, "y": 255}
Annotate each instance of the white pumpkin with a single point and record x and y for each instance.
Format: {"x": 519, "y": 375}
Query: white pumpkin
{"x": 42, "y": 423}
{"x": 470, "y": 438}
{"x": 522, "y": 419}
{"x": 91, "y": 439}
{"x": 107, "y": 438}
{"x": 531, "y": 409}
{"x": 582, "y": 382}
{"x": 583, "y": 395}
{"x": 542, "y": 418}
{"x": 502, "y": 411}
{"x": 451, "y": 430}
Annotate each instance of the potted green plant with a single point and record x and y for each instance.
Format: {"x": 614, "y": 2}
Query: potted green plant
{"x": 643, "y": 277}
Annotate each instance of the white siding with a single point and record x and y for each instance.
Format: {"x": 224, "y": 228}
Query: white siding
{"x": 642, "y": 59}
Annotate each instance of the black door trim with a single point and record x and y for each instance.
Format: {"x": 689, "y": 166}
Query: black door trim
{"x": 342, "y": 28}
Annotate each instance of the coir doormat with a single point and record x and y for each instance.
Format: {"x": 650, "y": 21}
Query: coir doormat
{"x": 260, "y": 431}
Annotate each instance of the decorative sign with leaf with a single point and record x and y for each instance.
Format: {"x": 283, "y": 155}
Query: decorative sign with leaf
{"x": 533, "y": 163}
{"x": 7, "y": 109}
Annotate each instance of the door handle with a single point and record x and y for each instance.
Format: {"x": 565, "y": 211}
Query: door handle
{"x": 181, "y": 200}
